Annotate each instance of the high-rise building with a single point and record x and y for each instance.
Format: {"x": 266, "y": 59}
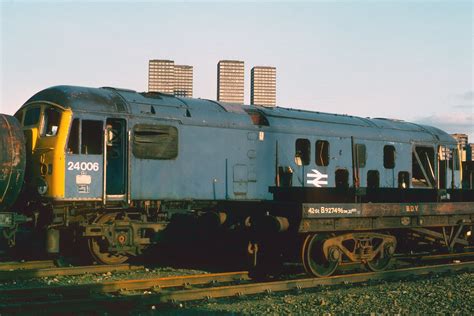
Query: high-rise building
{"x": 230, "y": 81}
{"x": 463, "y": 142}
{"x": 470, "y": 152}
{"x": 461, "y": 138}
{"x": 161, "y": 76}
{"x": 263, "y": 86}
{"x": 166, "y": 77}
{"x": 183, "y": 81}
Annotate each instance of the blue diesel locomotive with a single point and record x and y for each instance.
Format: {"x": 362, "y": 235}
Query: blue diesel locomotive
{"x": 113, "y": 167}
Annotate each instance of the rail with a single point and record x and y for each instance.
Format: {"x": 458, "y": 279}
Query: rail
{"x": 39, "y": 273}
{"x": 24, "y": 265}
{"x": 38, "y": 292}
{"x": 98, "y": 301}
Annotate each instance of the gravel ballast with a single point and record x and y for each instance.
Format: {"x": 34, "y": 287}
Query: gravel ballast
{"x": 451, "y": 294}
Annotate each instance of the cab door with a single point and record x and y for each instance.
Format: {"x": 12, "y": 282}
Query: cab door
{"x": 84, "y": 160}
{"x": 116, "y": 159}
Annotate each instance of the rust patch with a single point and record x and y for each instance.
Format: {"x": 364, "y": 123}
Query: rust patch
{"x": 12, "y": 160}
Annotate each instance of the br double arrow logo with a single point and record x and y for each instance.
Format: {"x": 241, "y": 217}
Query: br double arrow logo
{"x": 319, "y": 180}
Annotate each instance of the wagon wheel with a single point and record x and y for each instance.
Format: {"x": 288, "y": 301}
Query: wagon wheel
{"x": 378, "y": 263}
{"x": 313, "y": 258}
{"x": 98, "y": 246}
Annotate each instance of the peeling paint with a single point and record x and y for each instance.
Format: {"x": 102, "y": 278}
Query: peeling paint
{"x": 12, "y": 160}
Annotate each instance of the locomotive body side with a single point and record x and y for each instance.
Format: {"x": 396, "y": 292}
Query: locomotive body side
{"x": 215, "y": 157}
{"x": 205, "y": 165}
{"x": 114, "y": 166}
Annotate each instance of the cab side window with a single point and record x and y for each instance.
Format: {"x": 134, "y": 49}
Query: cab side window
{"x": 52, "y": 118}
{"x": 361, "y": 155}
{"x": 92, "y": 137}
{"x": 389, "y": 157}
{"x": 322, "y": 153}
{"x": 32, "y": 116}
{"x": 302, "y": 151}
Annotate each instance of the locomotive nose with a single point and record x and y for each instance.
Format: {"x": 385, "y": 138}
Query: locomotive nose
{"x": 12, "y": 160}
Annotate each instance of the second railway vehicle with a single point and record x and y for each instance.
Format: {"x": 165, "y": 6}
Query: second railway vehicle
{"x": 113, "y": 167}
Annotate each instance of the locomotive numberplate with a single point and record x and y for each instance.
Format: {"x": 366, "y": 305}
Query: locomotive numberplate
{"x": 331, "y": 210}
{"x": 84, "y": 177}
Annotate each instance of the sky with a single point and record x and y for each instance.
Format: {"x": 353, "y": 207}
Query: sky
{"x": 409, "y": 60}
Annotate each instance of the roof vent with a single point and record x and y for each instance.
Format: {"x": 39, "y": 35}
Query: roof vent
{"x": 153, "y": 95}
{"x": 257, "y": 117}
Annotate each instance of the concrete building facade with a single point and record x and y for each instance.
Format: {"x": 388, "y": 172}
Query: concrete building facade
{"x": 161, "y": 76}
{"x": 166, "y": 77}
{"x": 461, "y": 138}
{"x": 470, "y": 152}
{"x": 183, "y": 81}
{"x": 263, "y": 86}
{"x": 230, "y": 81}
{"x": 463, "y": 142}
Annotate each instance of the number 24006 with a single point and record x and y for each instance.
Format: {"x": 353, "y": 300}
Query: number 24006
{"x": 83, "y": 166}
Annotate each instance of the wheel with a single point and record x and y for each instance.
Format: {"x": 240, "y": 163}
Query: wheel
{"x": 97, "y": 246}
{"x": 380, "y": 264}
{"x": 303, "y": 253}
{"x": 313, "y": 258}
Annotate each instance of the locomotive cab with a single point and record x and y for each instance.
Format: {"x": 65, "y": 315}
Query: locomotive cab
{"x": 46, "y": 127}
{"x": 66, "y": 154}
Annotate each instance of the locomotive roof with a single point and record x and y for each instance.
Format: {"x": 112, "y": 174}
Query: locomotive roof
{"x": 214, "y": 113}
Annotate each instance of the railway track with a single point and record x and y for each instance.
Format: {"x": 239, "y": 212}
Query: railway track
{"x": 26, "y": 265}
{"x": 427, "y": 256}
{"x": 138, "y": 294}
{"x": 31, "y": 271}
{"x": 47, "y": 268}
